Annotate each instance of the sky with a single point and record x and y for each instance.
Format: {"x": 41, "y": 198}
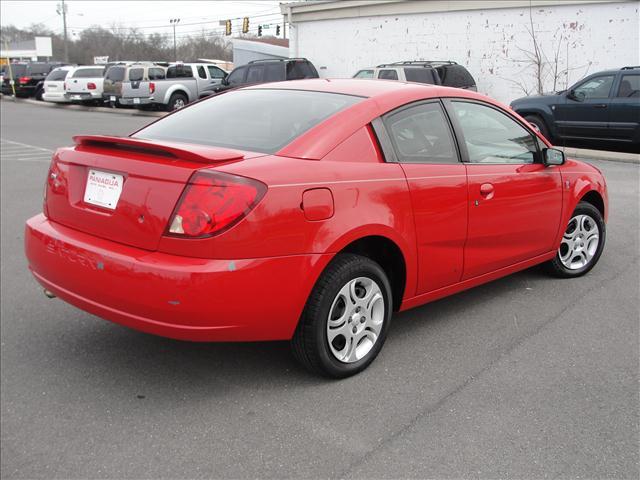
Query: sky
{"x": 148, "y": 15}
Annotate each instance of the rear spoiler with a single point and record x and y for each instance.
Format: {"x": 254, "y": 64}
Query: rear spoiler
{"x": 177, "y": 151}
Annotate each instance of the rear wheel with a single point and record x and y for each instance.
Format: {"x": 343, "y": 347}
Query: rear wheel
{"x": 581, "y": 245}
{"x": 345, "y": 321}
{"x": 177, "y": 101}
{"x": 38, "y": 95}
{"x": 538, "y": 124}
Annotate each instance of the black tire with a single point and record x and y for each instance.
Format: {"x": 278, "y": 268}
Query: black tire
{"x": 556, "y": 267}
{"x": 310, "y": 343}
{"x": 177, "y": 101}
{"x": 38, "y": 95}
{"x": 539, "y": 124}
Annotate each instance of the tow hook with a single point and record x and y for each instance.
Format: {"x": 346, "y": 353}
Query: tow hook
{"x": 49, "y": 294}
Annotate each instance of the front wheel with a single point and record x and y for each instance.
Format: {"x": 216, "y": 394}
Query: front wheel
{"x": 539, "y": 125}
{"x": 581, "y": 245}
{"x": 346, "y": 318}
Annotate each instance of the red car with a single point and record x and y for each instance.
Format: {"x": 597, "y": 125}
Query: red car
{"x": 310, "y": 211}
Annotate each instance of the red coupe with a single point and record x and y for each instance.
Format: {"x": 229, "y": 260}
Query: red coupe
{"x": 309, "y": 210}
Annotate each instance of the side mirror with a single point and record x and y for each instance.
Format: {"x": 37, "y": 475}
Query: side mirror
{"x": 552, "y": 156}
{"x": 576, "y": 96}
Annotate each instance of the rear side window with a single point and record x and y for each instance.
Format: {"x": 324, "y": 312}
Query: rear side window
{"x": 455, "y": 76}
{"x": 421, "y": 75}
{"x": 156, "y": 73}
{"x": 364, "y": 74}
{"x": 115, "y": 74}
{"x": 273, "y": 72}
{"x": 179, "y": 71}
{"x": 254, "y": 119}
{"x": 255, "y": 74}
{"x": 388, "y": 75}
{"x": 201, "y": 72}
{"x": 136, "y": 74}
{"x": 300, "y": 69}
{"x": 87, "y": 73}
{"x": 57, "y": 75}
{"x": 421, "y": 134}
{"x": 629, "y": 86}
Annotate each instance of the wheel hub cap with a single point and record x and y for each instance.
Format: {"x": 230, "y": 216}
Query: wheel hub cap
{"x": 579, "y": 242}
{"x": 355, "y": 320}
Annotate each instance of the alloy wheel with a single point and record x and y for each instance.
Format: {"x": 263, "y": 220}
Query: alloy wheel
{"x": 579, "y": 242}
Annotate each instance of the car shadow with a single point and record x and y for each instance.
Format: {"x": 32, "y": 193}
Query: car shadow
{"x": 140, "y": 362}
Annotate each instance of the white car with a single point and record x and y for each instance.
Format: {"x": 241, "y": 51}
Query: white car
{"x": 85, "y": 84}
{"x": 54, "y": 85}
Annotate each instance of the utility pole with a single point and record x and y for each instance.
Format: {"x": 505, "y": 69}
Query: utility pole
{"x": 174, "y": 22}
{"x": 62, "y": 10}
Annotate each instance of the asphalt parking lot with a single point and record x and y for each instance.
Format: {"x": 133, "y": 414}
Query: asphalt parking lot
{"x": 526, "y": 377}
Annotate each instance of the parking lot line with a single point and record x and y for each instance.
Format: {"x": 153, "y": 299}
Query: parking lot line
{"x": 11, "y": 151}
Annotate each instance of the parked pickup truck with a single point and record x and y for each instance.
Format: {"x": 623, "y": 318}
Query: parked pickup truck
{"x": 183, "y": 83}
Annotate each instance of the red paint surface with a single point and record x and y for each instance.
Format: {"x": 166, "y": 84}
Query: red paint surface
{"x": 326, "y": 189}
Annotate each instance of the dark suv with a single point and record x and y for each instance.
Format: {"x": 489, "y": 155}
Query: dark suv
{"x": 28, "y": 78}
{"x": 604, "y": 106}
{"x": 435, "y": 72}
{"x": 268, "y": 70}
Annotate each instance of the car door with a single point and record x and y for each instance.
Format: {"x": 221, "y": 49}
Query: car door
{"x": 216, "y": 74}
{"x": 584, "y": 114}
{"x": 202, "y": 78}
{"x": 624, "y": 110}
{"x": 514, "y": 200}
{"x": 423, "y": 144}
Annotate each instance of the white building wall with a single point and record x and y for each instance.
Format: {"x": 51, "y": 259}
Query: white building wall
{"x": 492, "y": 44}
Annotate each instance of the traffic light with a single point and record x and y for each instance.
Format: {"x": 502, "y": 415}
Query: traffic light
{"x": 245, "y": 25}
{"x": 259, "y": 30}
{"x": 277, "y": 30}
{"x": 227, "y": 27}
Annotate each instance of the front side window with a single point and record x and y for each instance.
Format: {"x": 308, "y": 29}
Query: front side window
{"x": 421, "y": 134}
{"x": 388, "y": 75}
{"x": 629, "y": 86}
{"x": 492, "y": 136}
{"x": 364, "y": 74}
{"x": 254, "y": 119}
{"x": 215, "y": 72}
{"x": 597, "y": 87}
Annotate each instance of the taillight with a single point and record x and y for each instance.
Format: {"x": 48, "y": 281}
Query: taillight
{"x": 213, "y": 202}
{"x": 23, "y": 80}
{"x": 64, "y": 86}
{"x": 152, "y": 87}
{"x": 91, "y": 86}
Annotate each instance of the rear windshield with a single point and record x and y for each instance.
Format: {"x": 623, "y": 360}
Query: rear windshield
{"x": 39, "y": 68}
{"x": 136, "y": 74}
{"x": 88, "y": 73}
{"x": 115, "y": 74}
{"x": 57, "y": 75}
{"x": 255, "y": 120}
{"x": 17, "y": 70}
{"x": 455, "y": 76}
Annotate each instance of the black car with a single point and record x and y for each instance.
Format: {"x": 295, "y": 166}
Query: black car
{"x": 268, "y": 70}
{"x": 604, "y": 107}
{"x": 28, "y": 78}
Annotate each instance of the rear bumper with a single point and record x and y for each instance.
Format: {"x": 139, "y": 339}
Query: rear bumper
{"x": 82, "y": 96}
{"x": 54, "y": 97}
{"x": 178, "y": 297}
{"x": 136, "y": 100}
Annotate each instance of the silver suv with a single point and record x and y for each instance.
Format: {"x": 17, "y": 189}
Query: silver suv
{"x": 446, "y": 73}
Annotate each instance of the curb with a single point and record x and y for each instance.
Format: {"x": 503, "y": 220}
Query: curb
{"x": 604, "y": 155}
{"x": 82, "y": 108}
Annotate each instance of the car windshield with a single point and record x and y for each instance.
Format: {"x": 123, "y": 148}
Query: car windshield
{"x": 261, "y": 120}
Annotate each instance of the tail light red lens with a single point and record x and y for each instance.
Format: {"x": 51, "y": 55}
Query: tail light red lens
{"x": 91, "y": 86}
{"x": 152, "y": 87}
{"x": 23, "y": 80}
{"x": 213, "y": 202}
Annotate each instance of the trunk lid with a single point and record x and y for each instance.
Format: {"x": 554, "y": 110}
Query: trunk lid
{"x": 136, "y": 89}
{"x": 150, "y": 177}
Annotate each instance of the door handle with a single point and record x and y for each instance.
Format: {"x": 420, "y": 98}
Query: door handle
{"x": 600, "y": 105}
{"x": 486, "y": 189}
